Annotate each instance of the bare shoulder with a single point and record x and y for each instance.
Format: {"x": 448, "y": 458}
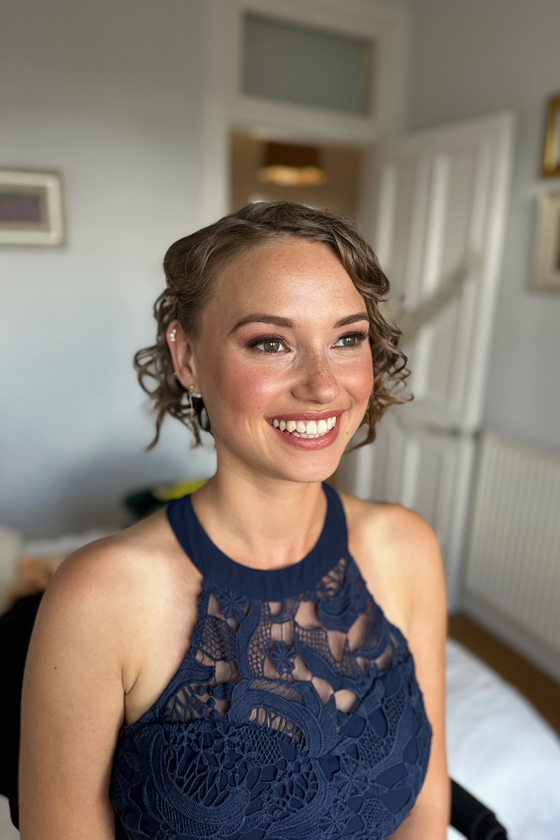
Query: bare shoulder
{"x": 109, "y": 567}
{"x": 127, "y": 581}
{"x": 391, "y": 532}
{"x": 398, "y": 553}
{"x": 140, "y": 555}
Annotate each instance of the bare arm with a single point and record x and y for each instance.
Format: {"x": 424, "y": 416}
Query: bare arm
{"x": 73, "y": 697}
{"x": 420, "y": 559}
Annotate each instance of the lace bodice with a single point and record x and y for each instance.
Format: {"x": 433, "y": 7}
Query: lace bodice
{"x": 295, "y": 714}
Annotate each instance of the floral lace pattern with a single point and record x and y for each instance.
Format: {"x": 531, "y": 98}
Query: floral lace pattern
{"x": 299, "y": 719}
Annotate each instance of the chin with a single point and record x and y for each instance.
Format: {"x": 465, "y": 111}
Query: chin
{"x": 308, "y": 471}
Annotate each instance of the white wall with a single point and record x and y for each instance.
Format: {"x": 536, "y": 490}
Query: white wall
{"x": 479, "y": 57}
{"x": 110, "y": 93}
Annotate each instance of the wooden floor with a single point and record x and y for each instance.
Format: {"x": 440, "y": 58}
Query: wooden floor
{"x": 541, "y": 690}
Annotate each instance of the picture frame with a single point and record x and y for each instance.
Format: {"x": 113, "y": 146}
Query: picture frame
{"x": 31, "y": 208}
{"x": 551, "y": 152}
{"x": 546, "y": 258}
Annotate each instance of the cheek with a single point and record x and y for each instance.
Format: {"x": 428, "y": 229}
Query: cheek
{"x": 238, "y": 386}
{"x": 359, "y": 378}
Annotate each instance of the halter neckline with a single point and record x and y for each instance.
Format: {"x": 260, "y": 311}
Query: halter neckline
{"x": 265, "y": 584}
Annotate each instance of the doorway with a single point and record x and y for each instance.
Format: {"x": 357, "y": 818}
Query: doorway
{"x": 340, "y": 190}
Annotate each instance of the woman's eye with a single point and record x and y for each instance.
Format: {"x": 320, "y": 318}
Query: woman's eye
{"x": 271, "y": 345}
{"x": 351, "y": 340}
{"x": 268, "y": 345}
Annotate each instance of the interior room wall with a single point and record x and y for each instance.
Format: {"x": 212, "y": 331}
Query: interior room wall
{"x": 111, "y": 95}
{"x": 478, "y": 58}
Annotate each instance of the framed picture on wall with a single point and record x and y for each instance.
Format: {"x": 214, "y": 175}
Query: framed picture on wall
{"x": 31, "y": 209}
{"x": 551, "y": 154}
{"x": 546, "y": 259}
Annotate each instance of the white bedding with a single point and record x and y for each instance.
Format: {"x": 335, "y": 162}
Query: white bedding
{"x": 500, "y": 748}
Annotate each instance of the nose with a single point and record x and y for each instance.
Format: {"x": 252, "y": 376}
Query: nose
{"x": 316, "y": 381}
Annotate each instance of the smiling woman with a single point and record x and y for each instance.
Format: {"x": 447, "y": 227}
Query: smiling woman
{"x": 265, "y": 657}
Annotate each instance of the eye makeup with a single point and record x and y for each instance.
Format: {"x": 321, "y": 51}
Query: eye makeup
{"x": 275, "y": 339}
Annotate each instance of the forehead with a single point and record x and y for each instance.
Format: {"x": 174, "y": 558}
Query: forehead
{"x": 289, "y": 275}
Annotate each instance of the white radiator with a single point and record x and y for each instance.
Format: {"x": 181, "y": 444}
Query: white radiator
{"x": 512, "y": 575}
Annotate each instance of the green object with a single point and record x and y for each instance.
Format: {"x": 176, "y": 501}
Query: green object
{"x": 145, "y": 502}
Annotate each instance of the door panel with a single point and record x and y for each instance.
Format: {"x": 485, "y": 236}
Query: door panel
{"x": 400, "y": 226}
{"x": 441, "y": 202}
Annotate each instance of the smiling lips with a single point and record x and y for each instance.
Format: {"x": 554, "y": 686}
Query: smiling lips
{"x": 305, "y": 428}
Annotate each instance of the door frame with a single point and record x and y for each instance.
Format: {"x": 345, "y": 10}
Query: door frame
{"x": 226, "y": 108}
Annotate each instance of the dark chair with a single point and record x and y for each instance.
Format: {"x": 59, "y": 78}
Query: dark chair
{"x": 473, "y": 819}
{"x": 469, "y": 816}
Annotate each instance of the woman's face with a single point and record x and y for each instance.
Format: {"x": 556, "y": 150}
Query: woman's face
{"x": 284, "y": 342}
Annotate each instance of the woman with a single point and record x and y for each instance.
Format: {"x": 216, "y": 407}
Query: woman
{"x": 240, "y": 665}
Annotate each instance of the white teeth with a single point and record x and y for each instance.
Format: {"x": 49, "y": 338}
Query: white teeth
{"x": 299, "y": 428}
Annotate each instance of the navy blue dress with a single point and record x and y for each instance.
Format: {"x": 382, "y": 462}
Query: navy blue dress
{"x": 295, "y": 714}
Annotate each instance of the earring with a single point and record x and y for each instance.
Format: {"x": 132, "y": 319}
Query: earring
{"x": 190, "y": 422}
{"x": 191, "y": 406}
{"x": 190, "y": 394}
{"x": 173, "y": 334}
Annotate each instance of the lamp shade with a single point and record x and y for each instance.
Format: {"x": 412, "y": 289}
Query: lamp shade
{"x": 287, "y": 164}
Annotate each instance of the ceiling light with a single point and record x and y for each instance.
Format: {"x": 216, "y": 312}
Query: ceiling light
{"x": 291, "y": 165}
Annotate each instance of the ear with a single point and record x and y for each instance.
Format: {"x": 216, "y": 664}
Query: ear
{"x": 182, "y": 356}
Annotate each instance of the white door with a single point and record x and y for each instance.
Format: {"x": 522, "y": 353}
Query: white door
{"x": 441, "y": 210}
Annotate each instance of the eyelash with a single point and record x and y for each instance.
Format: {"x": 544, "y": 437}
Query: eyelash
{"x": 360, "y": 336}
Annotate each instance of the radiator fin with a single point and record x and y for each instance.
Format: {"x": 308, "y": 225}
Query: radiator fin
{"x": 513, "y": 563}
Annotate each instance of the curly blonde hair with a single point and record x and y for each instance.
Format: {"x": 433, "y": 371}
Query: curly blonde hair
{"x": 192, "y": 265}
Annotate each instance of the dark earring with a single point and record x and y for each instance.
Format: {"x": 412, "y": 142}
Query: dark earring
{"x": 190, "y": 422}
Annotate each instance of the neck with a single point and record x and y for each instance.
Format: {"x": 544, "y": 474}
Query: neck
{"x": 261, "y": 522}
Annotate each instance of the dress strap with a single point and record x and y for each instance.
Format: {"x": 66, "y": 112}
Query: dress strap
{"x": 188, "y": 531}
{"x": 336, "y": 511}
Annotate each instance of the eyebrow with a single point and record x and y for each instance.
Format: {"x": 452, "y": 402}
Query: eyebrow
{"x": 278, "y": 321}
